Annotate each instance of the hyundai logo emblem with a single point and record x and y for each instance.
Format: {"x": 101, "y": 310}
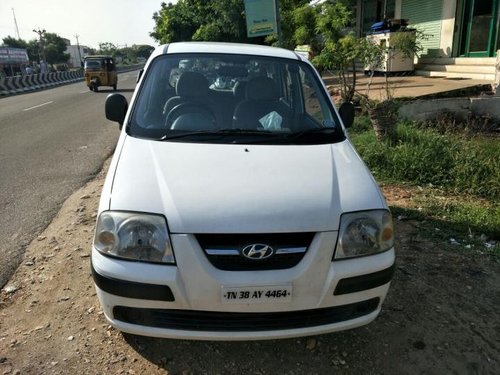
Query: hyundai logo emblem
{"x": 257, "y": 251}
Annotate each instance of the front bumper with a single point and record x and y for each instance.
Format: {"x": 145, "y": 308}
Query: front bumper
{"x": 185, "y": 301}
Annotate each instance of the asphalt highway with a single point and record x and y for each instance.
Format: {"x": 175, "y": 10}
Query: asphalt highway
{"x": 51, "y": 143}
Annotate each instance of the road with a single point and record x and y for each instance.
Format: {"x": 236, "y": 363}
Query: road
{"x": 51, "y": 143}
{"x": 440, "y": 316}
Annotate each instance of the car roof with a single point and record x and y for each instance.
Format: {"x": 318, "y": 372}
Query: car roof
{"x": 225, "y": 48}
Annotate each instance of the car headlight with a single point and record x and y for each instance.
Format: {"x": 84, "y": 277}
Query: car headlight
{"x": 364, "y": 233}
{"x": 134, "y": 236}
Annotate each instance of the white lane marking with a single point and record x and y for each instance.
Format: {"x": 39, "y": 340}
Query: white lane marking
{"x": 38, "y": 106}
{"x": 84, "y": 92}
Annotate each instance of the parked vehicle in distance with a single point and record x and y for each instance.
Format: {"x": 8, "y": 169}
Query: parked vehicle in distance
{"x": 235, "y": 206}
{"x": 100, "y": 71}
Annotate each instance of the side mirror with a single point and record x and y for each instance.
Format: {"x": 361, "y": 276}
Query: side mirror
{"x": 347, "y": 113}
{"x": 116, "y": 108}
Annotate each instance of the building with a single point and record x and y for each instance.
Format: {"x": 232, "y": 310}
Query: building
{"x": 462, "y": 36}
{"x": 76, "y": 55}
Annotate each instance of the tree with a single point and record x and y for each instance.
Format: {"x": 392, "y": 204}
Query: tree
{"x": 54, "y": 48}
{"x": 217, "y": 20}
{"x": 12, "y": 42}
{"x": 107, "y": 48}
{"x": 34, "y": 52}
{"x": 125, "y": 53}
{"x": 144, "y": 50}
{"x": 176, "y": 22}
{"x": 305, "y": 18}
{"x": 339, "y": 48}
{"x": 226, "y": 22}
{"x": 288, "y": 24}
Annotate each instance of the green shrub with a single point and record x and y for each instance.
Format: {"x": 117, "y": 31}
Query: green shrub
{"x": 425, "y": 156}
{"x": 373, "y": 152}
{"x": 477, "y": 168}
{"x": 421, "y": 157}
{"x": 361, "y": 124}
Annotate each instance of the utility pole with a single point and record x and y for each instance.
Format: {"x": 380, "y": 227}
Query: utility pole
{"x": 40, "y": 33}
{"x": 78, "y": 46}
{"x": 15, "y": 23}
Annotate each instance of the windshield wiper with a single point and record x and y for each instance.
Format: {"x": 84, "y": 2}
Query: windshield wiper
{"x": 317, "y": 135}
{"x": 306, "y": 132}
{"x": 245, "y": 131}
{"x": 167, "y": 137}
{"x": 219, "y": 132}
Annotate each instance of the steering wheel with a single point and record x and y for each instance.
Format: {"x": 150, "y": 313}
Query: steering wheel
{"x": 190, "y": 116}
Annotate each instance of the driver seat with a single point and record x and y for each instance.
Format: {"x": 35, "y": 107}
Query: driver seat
{"x": 191, "y": 87}
{"x": 262, "y": 100}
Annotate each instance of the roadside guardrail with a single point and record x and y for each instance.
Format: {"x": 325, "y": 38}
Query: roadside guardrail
{"x": 34, "y": 82}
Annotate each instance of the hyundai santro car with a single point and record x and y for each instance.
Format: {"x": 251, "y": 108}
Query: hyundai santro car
{"x": 235, "y": 206}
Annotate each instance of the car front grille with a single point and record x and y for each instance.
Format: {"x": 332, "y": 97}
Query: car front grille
{"x": 194, "y": 320}
{"x": 224, "y": 251}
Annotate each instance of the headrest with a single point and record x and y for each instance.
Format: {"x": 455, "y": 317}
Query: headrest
{"x": 262, "y": 88}
{"x": 192, "y": 84}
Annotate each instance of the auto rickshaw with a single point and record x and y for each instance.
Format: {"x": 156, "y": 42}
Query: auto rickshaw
{"x": 100, "y": 71}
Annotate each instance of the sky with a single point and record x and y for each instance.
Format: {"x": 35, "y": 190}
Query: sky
{"x": 121, "y": 22}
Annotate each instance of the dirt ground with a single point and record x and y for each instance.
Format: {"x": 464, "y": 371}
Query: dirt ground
{"x": 440, "y": 317}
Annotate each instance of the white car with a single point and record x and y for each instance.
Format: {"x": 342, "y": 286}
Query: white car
{"x": 241, "y": 213}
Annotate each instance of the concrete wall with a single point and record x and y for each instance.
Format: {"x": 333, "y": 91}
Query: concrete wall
{"x": 448, "y": 27}
{"x": 33, "y": 82}
{"x": 397, "y": 9}
{"x": 75, "y": 56}
{"x": 461, "y": 108}
{"x": 487, "y": 107}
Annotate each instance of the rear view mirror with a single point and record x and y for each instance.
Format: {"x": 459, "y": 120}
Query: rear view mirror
{"x": 116, "y": 108}
{"x": 347, "y": 113}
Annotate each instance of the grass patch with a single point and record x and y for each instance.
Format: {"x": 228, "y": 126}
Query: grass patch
{"x": 458, "y": 179}
{"x": 469, "y": 215}
{"x": 427, "y": 157}
{"x": 452, "y": 235}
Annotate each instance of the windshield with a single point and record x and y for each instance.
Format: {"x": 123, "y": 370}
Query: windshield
{"x": 233, "y": 99}
{"x": 93, "y": 64}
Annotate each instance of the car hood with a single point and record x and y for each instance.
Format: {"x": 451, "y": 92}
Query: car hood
{"x": 229, "y": 188}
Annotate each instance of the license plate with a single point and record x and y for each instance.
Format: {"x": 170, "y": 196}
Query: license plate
{"x": 257, "y": 294}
